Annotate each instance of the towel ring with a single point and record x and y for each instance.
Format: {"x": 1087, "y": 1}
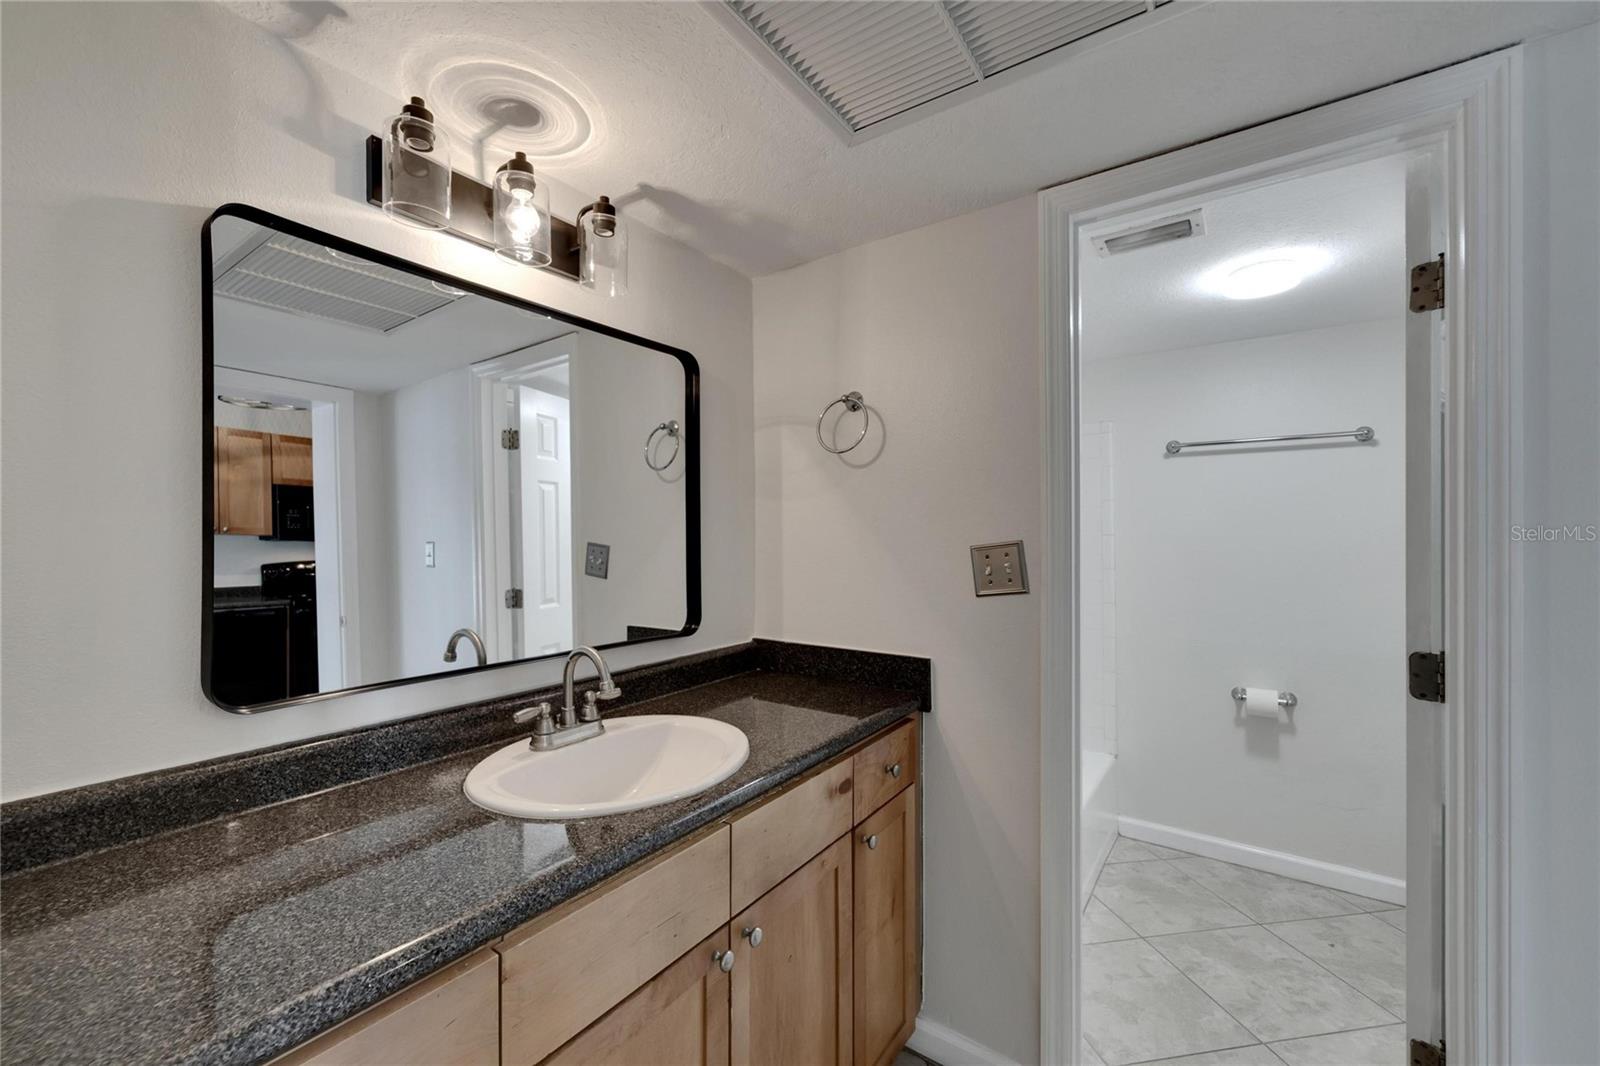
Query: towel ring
{"x": 671, "y": 430}
{"x": 852, "y": 402}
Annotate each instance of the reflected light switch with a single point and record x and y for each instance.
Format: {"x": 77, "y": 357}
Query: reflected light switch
{"x": 427, "y": 554}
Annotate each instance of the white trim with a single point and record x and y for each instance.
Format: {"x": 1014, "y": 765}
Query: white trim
{"x": 1091, "y": 876}
{"x": 1283, "y": 863}
{"x": 947, "y": 1047}
{"x": 1471, "y": 110}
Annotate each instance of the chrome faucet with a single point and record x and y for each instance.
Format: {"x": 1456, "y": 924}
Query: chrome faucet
{"x": 573, "y": 724}
{"x": 477, "y": 646}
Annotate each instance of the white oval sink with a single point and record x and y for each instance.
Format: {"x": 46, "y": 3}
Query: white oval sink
{"x": 639, "y": 761}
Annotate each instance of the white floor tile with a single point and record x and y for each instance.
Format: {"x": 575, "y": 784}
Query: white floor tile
{"x": 1396, "y": 918}
{"x": 1268, "y": 985}
{"x": 1100, "y": 925}
{"x": 1263, "y": 896}
{"x": 1154, "y": 898}
{"x": 1366, "y": 952}
{"x": 1137, "y": 1007}
{"x": 1254, "y": 1055}
{"x": 1363, "y": 903}
{"x": 1365, "y": 1047}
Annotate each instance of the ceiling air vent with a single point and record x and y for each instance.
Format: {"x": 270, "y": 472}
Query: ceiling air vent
{"x": 304, "y": 278}
{"x": 1161, "y": 231}
{"x": 867, "y": 61}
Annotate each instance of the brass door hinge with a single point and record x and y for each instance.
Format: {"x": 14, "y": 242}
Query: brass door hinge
{"x": 1427, "y": 285}
{"x": 1426, "y": 1054}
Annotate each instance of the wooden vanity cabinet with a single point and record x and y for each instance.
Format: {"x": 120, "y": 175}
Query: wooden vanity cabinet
{"x": 792, "y": 979}
{"x": 242, "y": 482}
{"x": 887, "y": 945}
{"x": 788, "y": 934}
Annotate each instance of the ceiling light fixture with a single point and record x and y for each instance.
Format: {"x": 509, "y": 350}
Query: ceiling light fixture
{"x": 1262, "y": 274}
{"x": 258, "y": 405}
{"x": 409, "y": 176}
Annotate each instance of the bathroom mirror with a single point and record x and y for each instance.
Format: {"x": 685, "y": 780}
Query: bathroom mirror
{"x": 407, "y": 475}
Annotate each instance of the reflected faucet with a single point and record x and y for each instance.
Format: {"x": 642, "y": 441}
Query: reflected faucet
{"x": 477, "y": 646}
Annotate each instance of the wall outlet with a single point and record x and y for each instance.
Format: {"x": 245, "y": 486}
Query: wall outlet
{"x": 999, "y": 569}
{"x": 597, "y": 560}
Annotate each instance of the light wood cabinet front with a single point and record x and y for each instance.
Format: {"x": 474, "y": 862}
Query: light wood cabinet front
{"x": 792, "y": 993}
{"x": 680, "y": 1017}
{"x": 243, "y": 482}
{"x": 781, "y": 835}
{"x": 291, "y": 460}
{"x": 884, "y": 767}
{"x": 887, "y": 960}
{"x": 449, "y": 1019}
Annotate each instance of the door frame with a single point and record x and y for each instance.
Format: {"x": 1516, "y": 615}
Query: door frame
{"x": 1472, "y": 112}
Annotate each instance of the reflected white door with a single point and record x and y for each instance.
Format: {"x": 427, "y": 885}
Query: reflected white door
{"x": 546, "y": 506}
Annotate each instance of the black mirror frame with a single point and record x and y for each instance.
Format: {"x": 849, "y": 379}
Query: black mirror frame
{"x": 691, "y": 448}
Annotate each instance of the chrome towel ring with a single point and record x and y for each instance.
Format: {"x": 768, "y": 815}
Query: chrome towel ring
{"x": 852, "y": 402}
{"x": 670, "y": 428}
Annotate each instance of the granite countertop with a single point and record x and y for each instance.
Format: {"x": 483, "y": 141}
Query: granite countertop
{"x": 236, "y": 939}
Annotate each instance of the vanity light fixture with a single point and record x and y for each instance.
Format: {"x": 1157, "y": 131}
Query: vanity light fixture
{"x": 521, "y": 214}
{"x": 409, "y": 176}
{"x": 602, "y": 249}
{"x": 416, "y": 169}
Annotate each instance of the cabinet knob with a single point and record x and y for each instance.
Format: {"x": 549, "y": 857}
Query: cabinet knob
{"x": 753, "y": 934}
{"x": 893, "y": 770}
{"x": 724, "y": 960}
{"x": 871, "y": 841}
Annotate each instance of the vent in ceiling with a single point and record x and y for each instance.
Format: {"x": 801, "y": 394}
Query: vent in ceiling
{"x": 303, "y": 278}
{"x": 868, "y": 61}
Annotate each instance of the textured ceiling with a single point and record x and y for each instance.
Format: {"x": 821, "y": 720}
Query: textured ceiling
{"x": 697, "y": 141}
{"x": 1351, "y": 220}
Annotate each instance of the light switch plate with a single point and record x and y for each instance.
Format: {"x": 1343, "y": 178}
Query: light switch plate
{"x": 597, "y": 560}
{"x": 999, "y": 569}
{"x": 428, "y": 556}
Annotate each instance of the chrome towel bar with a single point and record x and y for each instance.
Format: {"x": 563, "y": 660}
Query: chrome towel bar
{"x": 1360, "y": 433}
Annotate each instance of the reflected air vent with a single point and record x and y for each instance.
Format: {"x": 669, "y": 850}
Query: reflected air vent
{"x": 1162, "y": 231}
{"x": 303, "y": 278}
{"x": 867, "y": 61}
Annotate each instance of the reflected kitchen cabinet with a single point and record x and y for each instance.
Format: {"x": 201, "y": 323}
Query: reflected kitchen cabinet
{"x": 242, "y": 482}
{"x": 291, "y": 460}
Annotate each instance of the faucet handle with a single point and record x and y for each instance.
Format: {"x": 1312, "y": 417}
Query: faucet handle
{"x": 608, "y": 690}
{"x": 539, "y": 715}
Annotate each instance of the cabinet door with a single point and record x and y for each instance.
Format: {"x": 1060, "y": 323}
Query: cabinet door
{"x": 291, "y": 460}
{"x": 244, "y": 482}
{"x": 792, "y": 991}
{"x": 888, "y": 983}
{"x": 679, "y": 1017}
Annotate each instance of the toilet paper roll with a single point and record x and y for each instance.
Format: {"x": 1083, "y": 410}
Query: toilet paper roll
{"x": 1263, "y": 703}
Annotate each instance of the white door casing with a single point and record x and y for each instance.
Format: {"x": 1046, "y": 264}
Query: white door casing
{"x": 1465, "y": 114}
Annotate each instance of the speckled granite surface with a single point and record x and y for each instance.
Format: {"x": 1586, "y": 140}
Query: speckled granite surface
{"x": 234, "y": 940}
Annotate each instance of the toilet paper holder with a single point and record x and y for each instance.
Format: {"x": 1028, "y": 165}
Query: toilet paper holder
{"x": 1285, "y": 699}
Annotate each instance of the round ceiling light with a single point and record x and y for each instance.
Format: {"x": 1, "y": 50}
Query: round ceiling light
{"x": 1261, "y": 274}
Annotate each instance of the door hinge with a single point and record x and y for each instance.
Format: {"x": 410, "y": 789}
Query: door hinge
{"x": 1427, "y": 285}
{"x": 1427, "y": 676}
{"x": 514, "y": 598}
{"x": 1426, "y": 1054}
{"x": 511, "y": 439}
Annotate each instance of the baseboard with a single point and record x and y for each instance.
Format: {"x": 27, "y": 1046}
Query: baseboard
{"x": 1326, "y": 874}
{"x": 1091, "y": 876}
{"x": 942, "y": 1044}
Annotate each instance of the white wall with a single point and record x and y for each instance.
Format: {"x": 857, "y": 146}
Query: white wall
{"x": 102, "y": 285}
{"x": 938, "y": 329}
{"x": 619, "y": 394}
{"x": 433, "y": 467}
{"x": 1555, "y": 721}
{"x": 1278, "y": 567}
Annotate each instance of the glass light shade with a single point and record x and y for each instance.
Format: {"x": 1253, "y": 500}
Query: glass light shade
{"x": 521, "y": 214}
{"x": 416, "y": 169}
{"x": 602, "y": 249}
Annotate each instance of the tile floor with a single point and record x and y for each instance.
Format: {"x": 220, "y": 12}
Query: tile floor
{"x": 1192, "y": 961}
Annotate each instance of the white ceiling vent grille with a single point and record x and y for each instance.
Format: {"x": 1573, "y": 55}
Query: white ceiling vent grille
{"x": 303, "y": 278}
{"x": 867, "y": 61}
